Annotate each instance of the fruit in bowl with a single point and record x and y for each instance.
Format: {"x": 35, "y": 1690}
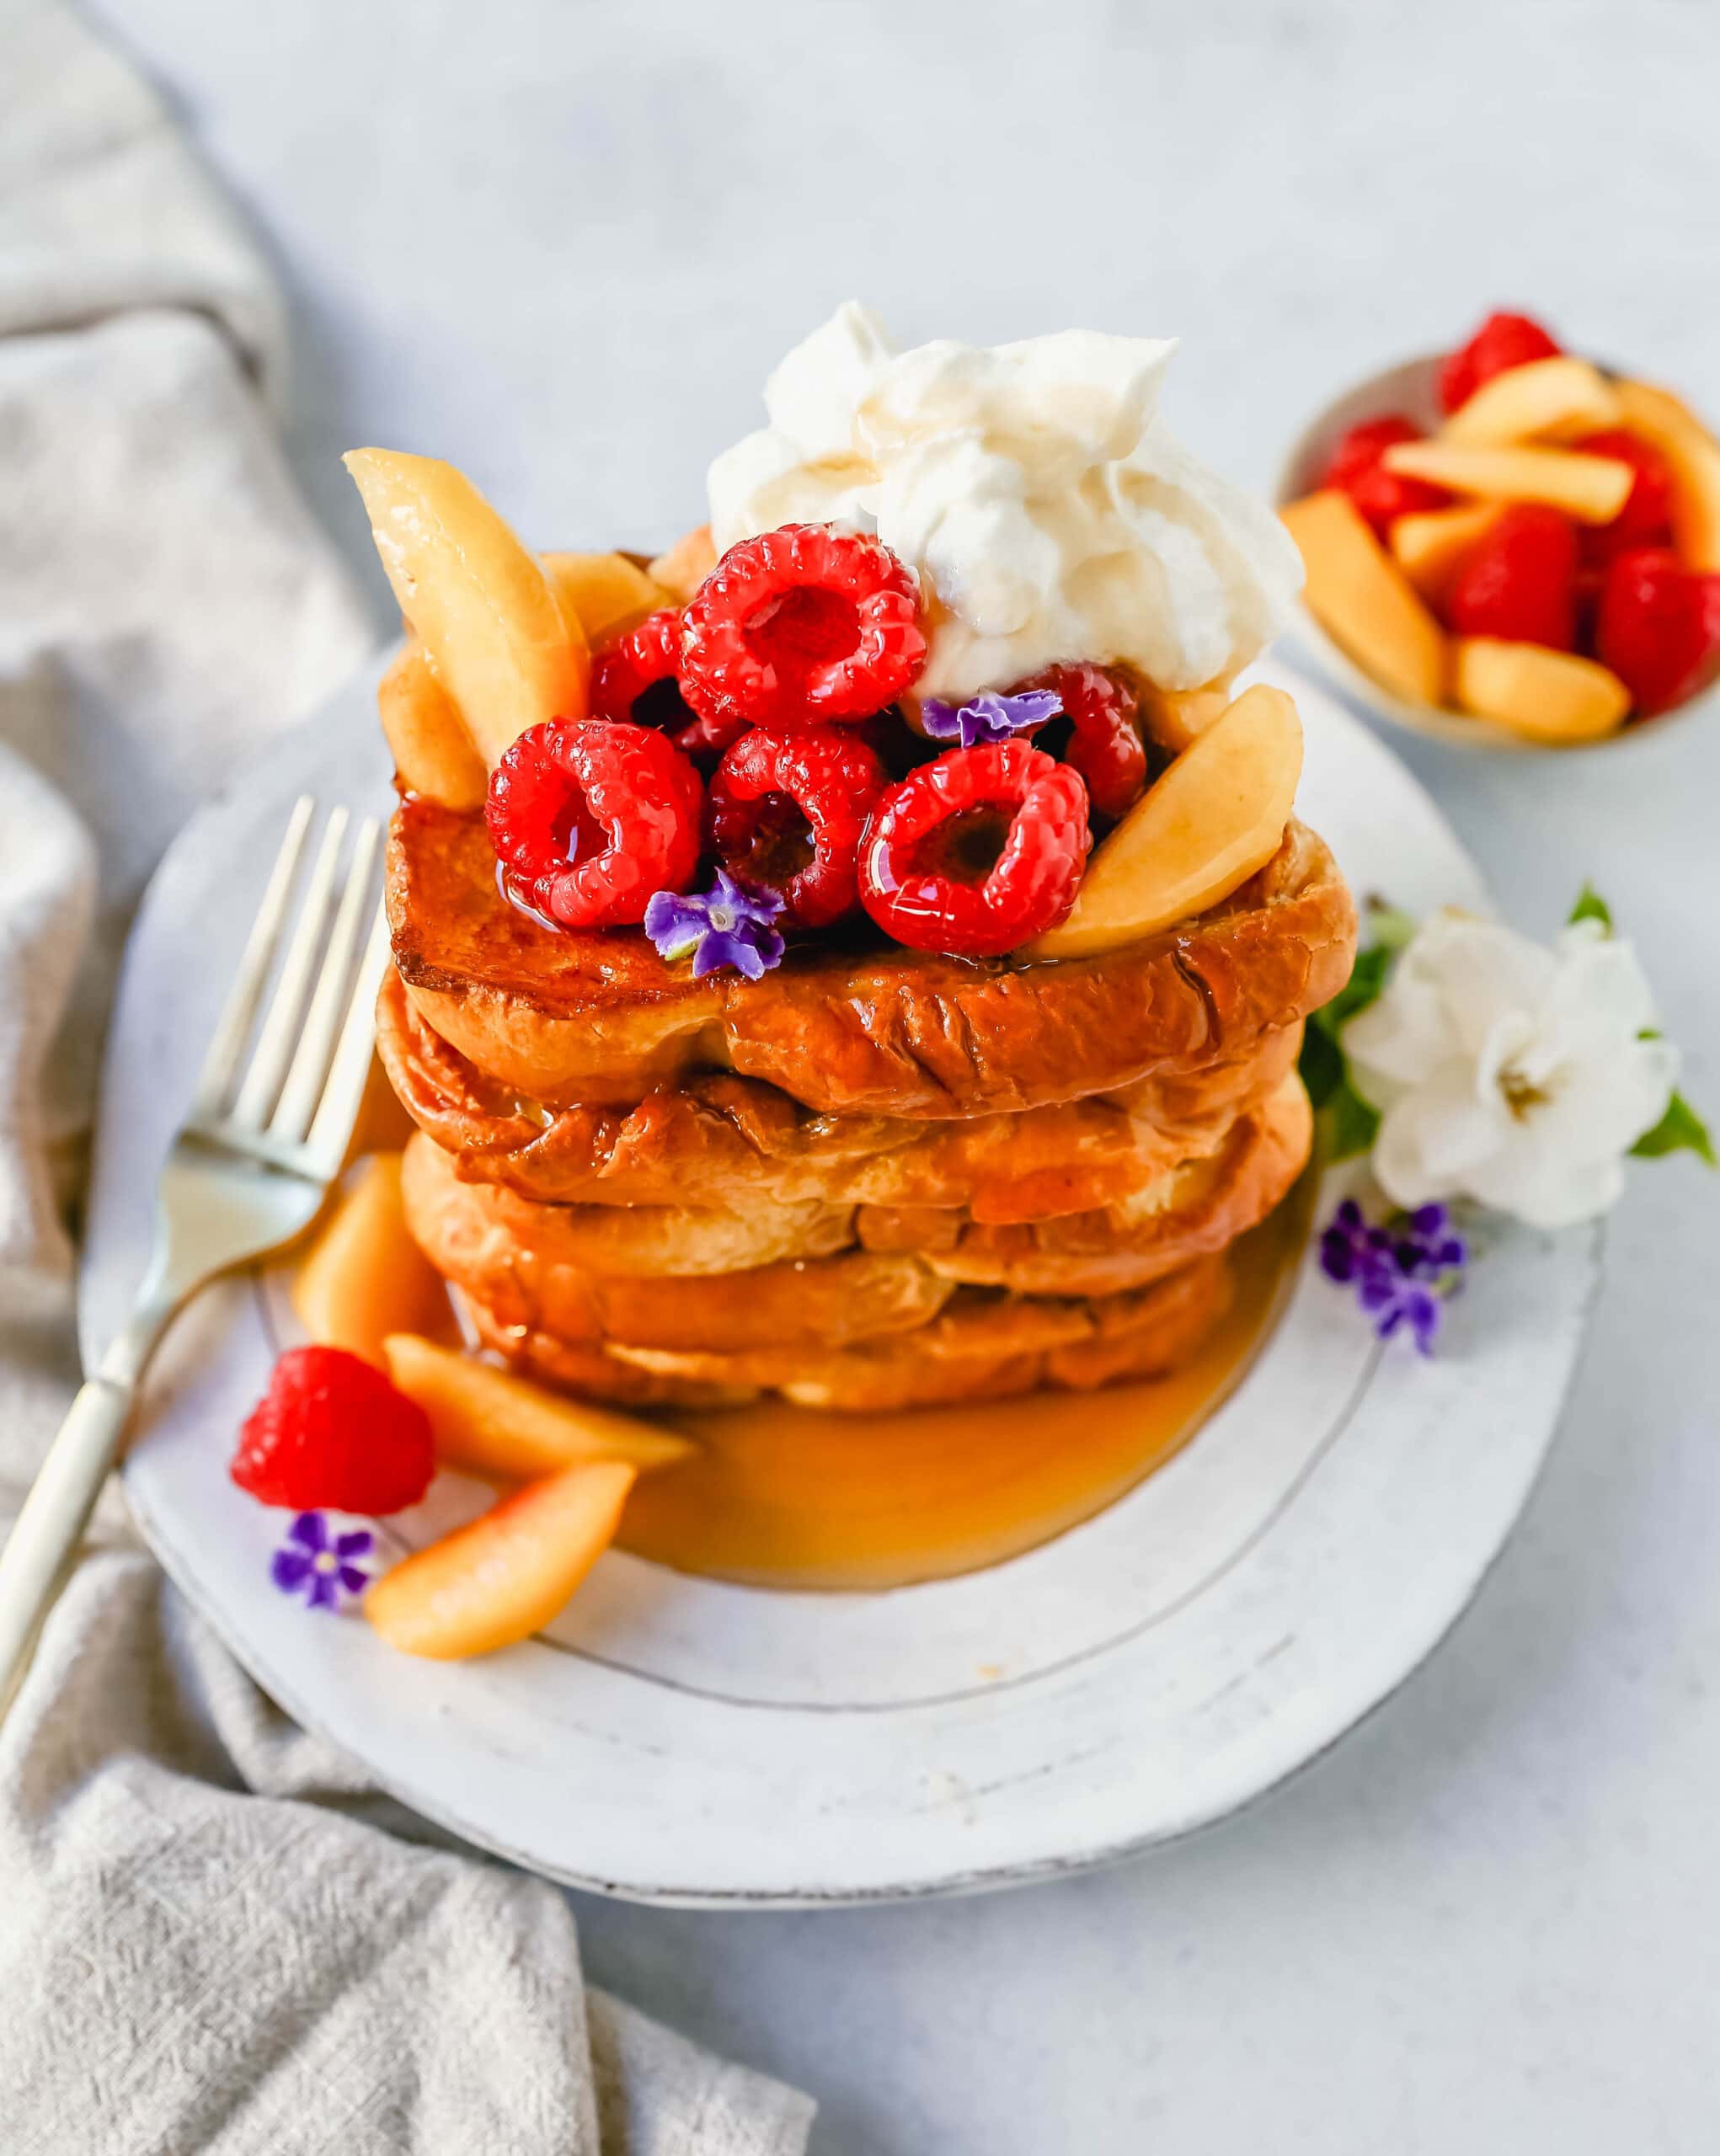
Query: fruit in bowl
{"x": 1513, "y": 543}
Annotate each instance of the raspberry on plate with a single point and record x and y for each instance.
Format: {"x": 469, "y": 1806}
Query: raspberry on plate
{"x": 1520, "y": 581}
{"x": 1503, "y": 341}
{"x": 635, "y": 683}
{"x": 787, "y": 810}
{"x": 977, "y": 852}
{"x": 1658, "y": 628}
{"x": 334, "y": 1434}
{"x": 588, "y": 819}
{"x": 1104, "y": 744}
{"x": 799, "y": 627}
{"x": 1381, "y": 496}
{"x": 1646, "y": 518}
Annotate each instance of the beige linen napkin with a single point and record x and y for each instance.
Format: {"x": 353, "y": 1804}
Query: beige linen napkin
{"x": 213, "y": 1938}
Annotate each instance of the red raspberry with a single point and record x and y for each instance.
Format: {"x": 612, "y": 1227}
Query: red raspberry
{"x": 1104, "y": 744}
{"x": 1646, "y": 518}
{"x": 1658, "y": 628}
{"x": 1381, "y": 496}
{"x": 1502, "y": 342}
{"x": 1520, "y": 581}
{"x": 978, "y": 851}
{"x": 588, "y": 819}
{"x": 634, "y": 682}
{"x": 332, "y": 1430}
{"x": 775, "y": 795}
{"x": 801, "y": 626}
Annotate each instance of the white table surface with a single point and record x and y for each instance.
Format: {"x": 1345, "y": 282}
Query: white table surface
{"x": 561, "y": 243}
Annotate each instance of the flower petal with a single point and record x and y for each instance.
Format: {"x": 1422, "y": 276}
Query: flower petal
{"x": 289, "y": 1569}
{"x": 310, "y": 1530}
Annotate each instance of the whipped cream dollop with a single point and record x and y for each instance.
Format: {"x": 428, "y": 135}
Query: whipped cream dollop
{"x": 1047, "y": 510}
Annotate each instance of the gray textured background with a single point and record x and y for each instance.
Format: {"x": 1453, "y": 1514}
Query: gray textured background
{"x": 562, "y": 244}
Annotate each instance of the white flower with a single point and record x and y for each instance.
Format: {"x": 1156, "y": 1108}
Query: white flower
{"x": 1508, "y": 1072}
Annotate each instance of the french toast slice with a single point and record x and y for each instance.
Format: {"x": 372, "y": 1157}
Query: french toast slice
{"x": 565, "y": 1016}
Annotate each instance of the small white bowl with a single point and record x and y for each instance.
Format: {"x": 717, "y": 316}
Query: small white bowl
{"x": 1411, "y": 387}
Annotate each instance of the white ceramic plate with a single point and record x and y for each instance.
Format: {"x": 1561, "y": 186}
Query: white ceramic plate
{"x": 679, "y": 1740}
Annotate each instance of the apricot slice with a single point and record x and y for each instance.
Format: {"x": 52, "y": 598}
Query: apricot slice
{"x": 504, "y": 1577}
{"x": 1362, "y": 597}
{"x": 364, "y": 1277}
{"x": 605, "y": 594}
{"x": 497, "y": 1426}
{"x": 1551, "y": 399}
{"x": 1543, "y": 694}
{"x": 686, "y": 564}
{"x": 1431, "y": 546}
{"x": 481, "y": 605}
{"x": 1693, "y": 456}
{"x": 1200, "y": 830}
{"x": 433, "y": 752}
{"x": 1591, "y": 489}
{"x": 1176, "y": 716}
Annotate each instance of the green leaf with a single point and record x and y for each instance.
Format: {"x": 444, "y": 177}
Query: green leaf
{"x": 1391, "y": 928}
{"x": 1366, "y": 980}
{"x": 1351, "y": 1124}
{"x": 1680, "y": 1130}
{"x": 1321, "y": 1064}
{"x": 1590, "y": 906}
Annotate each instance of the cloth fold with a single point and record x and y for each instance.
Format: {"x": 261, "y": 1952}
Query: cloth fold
{"x": 216, "y": 1935}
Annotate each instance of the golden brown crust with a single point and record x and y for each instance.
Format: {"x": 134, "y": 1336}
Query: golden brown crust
{"x": 563, "y": 1017}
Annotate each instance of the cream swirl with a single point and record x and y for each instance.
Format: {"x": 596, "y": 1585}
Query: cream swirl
{"x": 1047, "y": 510}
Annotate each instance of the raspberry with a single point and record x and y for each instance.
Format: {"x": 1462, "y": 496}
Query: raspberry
{"x": 1502, "y": 342}
{"x": 634, "y": 682}
{"x": 1105, "y": 743}
{"x": 801, "y": 626}
{"x": 775, "y": 795}
{"x": 978, "y": 851}
{"x": 1646, "y": 518}
{"x": 332, "y": 1431}
{"x": 1658, "y": 628}
{"x": 588, "y": 819}
{"x": 1381, "y": 496}
{"x": 1520, "y": 580}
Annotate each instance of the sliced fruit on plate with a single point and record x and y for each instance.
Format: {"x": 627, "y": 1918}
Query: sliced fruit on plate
{"x": 1547, "y": 399}
{"x": 1520, "y": 580}
{"x": 1545, "y": 696}
{"x": 1658, "y": 627}
{"x": 1432, "y": 548}
{"x": 686, "y": 564}
{"x": 1365, "y": 599}
{"x": 605, "y": 594}
{"x": 505, "y": 1575}
{"x": 1173, "y": 717}
{"x": 1694, "y": 457}
{"x": 364, "y": 1277}
{"x": 1593, "y": 489}
{"x": 1503, "y": 340}
{"x": 480, "y": 604}
{"x": 490, "y": 1424}
{"x": 433, "y": 751}
{"x": 1198, "y": 832}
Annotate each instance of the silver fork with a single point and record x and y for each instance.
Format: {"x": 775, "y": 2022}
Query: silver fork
{"x": 248, "y": 1172}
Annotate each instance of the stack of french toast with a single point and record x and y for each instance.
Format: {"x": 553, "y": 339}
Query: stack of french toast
{"x": 860, "y": 1172}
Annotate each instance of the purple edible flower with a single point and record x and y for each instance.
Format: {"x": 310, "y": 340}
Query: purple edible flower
{"x": 329, "y": 1568}
{"x": 1401, "y": 1270}
{"x": 730, "y": 924}
{"x": 990, "y": 717}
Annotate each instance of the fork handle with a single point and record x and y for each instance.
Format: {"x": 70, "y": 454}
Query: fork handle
{"x": 54, "y": 1515}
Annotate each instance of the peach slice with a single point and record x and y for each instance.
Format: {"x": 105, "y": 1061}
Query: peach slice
{"x": 1363, "y": 598}
{"x": 364, "y": 1277}
{"x": 504, "y": 1577}
{"x": 1545, "y": 696}
{"x": 499, "y": 1427}
{"x": 605, "y": 594}
{"x": 1174, "y": 717}
{"x": 685, "y": 566}
{"x": 1591, "y": 489}
{"x": 481, "y": 606}
{"x": 1693, "y": 455}
{"x": 433, "y": 752}
{"x": 1431, "y": 546}
{"x": 1553, "y": 400}
{"x": 1200, "y": 830}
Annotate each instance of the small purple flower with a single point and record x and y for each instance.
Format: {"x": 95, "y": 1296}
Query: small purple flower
{"x": 1401, "y": 1271}
{"x": 730, "y": 924}
{"x": 309, "y": 1559}
{"x": 990, "y": 717}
